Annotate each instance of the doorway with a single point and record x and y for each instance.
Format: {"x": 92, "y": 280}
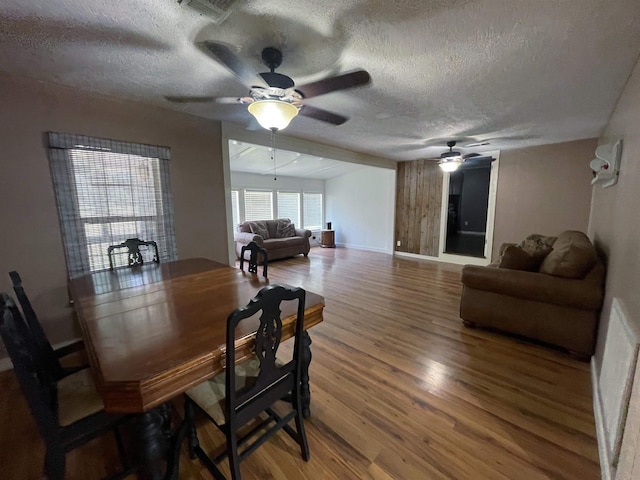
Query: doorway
{"x": 468, "y": 204}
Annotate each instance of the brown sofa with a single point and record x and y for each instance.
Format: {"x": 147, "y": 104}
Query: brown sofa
{"x": 282, "y": 238}
{"x": 551, "y": 292}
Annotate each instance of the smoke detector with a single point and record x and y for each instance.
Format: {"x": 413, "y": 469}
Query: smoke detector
{"x": 217, "y": 10}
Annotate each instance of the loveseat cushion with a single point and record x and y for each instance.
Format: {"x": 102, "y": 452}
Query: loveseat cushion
{"x": 259, "y": 228}
{"x": 538, "y": 246}
{"x": 276, "y": 243}
{"x": 516, "y": 258}
{"x": 284, "y": 228}
{"x": 572, "y": 256}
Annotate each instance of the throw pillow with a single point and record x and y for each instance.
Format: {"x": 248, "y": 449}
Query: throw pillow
{"x": 284, "y": 228}
{"x": 259, "y": 228}
{"x": 538, "y": 246}
{"x": 515, "y": 258}
{"x": 569, "y": 260}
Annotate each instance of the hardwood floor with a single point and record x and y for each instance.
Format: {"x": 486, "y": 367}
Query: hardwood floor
{"x": 400, "y": 390}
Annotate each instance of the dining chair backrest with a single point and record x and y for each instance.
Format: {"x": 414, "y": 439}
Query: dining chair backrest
{"x": 254, "y": 250}
{"x": 134, "y": 255}
{"x": 274, "y": 380}
{"x": 35, "y": 383}
{"x": 64, "y": 425}
{"x": 254, "y": 384}
{"x": 45, "y": 351}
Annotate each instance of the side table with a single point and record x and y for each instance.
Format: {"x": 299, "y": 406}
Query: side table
{"x": 328, "y": 239}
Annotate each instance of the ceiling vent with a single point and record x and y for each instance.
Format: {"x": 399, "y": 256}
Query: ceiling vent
{"x": 217, "y": 10}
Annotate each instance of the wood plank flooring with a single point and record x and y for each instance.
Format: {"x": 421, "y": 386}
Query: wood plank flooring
{"x": 400, "y": 390}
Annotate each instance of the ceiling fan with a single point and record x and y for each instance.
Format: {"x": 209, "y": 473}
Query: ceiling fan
{"x": 451, "y": 160}
{"x": 274, "y": 99}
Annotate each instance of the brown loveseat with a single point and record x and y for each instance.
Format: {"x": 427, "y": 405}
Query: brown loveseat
{"x": 546, "y": 289}
{"x": 279, "y": 237}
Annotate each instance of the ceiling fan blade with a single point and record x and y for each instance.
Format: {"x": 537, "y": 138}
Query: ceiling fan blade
{"x": 471, "y": 155}
{"x": 229, "y": 59}
{"x": 234, "y": 100}
{"x": 322, "y": 115}
{"x": 222, "y": 100}
{"x": 339, "y": 82}
{"x": 190, "y": 99}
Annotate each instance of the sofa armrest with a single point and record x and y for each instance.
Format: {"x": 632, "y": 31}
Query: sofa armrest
{"x": 539, "y": 287}
{"x": 303, "y": 232}
{"x": 246, "y": 237}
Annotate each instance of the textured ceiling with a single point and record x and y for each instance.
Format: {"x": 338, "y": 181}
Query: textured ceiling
{"x": 250, "y": 158}
{"x": 513, "y": 72}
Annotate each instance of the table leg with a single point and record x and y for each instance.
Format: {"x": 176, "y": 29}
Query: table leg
{"x": 151, "y": 443}
{"x": 159, "y": 446}
{"x": 305, "y": 392}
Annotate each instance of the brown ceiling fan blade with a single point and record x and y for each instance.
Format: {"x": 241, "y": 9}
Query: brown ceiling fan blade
{"x": 190, "y": 99}
{"x": 234, "y": 100}
{"x": 322, "y": 115}
{"x": 229, "y": 59}
{"x": 353, "y": 79}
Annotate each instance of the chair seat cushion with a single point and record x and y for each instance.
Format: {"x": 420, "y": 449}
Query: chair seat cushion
{"x": 210, "y": 395}
{"x": 77, "y": 398}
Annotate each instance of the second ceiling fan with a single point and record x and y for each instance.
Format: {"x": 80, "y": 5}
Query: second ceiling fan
{"x": 274, "y": 99}
{"x": 451, "y": 160}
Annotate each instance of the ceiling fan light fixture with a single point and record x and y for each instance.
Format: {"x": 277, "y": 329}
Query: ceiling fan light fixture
{"x": 273, "y": 114}
{"x": 450, "y": 164}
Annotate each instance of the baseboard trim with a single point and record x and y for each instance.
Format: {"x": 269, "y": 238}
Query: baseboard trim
{"x": 605, "y": 462}
{"x": 361, "y": 247}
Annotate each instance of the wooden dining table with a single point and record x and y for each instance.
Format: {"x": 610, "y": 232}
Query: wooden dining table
{"x": 154, "y": 331}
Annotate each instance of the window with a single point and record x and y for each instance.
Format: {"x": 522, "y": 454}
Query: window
{"x": 289, "y": 206}
{"x": 258, "y": 205}
{"x": 235, "y": 208}
{"x": 106, "y": 192}
{"x": 312, "y": 211}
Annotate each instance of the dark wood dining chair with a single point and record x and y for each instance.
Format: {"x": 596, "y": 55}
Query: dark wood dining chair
{"x": 134, "y": 255}
{"x": 68, "y": 412}
{"x": 248, "y": 389}
{"x": 254, "y": 250}
{"x": 62, "y": 361}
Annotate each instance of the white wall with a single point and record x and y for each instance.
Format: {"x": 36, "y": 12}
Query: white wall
{"x": 290, "y": 184}
{"x": 361, "y": 206}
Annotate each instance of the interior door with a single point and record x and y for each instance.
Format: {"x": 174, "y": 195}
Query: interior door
{"x": 468, "y": 208}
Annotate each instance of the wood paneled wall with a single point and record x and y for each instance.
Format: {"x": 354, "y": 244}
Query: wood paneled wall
{"x": 418, "y": 204}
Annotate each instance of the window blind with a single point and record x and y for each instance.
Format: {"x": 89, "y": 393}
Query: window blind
{"x": 108, "y": 191}
{"x": 312, "y": 211}
{"x": 258, "y": 205}
{"x": 289, "y": 206}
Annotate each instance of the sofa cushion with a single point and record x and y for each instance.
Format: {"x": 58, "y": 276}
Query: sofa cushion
{"x": 284, "y": 228}
{"x": 572, "y": 256}
{"x": 276, "y": 243}
{"x": 259, "y": 228}
{"x": 516, "y": 258}
{"x": 539, "y": 246}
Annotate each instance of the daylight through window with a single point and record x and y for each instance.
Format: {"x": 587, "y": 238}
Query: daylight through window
{"x": 106, "y": 195}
